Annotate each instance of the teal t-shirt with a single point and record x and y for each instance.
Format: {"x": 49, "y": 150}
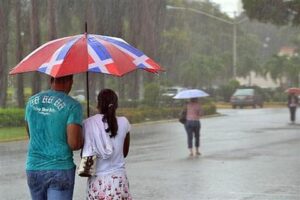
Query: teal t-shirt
{"x": 48, "y": 114}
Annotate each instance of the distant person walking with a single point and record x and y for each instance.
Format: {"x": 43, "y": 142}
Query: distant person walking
{"x": 193, "y": 125}
{"x": 292, "y": 105}
{"x": 53, "y": 121}
{"x": 107, "y": 137}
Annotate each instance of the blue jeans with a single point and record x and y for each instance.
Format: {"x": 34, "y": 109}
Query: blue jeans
{"x": 51, "y": 184}
{"x": 193, "y": 129}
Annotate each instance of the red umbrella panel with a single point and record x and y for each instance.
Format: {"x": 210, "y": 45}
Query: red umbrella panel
{"x": 293, "y": 90}
{"x": 86, "y": 53}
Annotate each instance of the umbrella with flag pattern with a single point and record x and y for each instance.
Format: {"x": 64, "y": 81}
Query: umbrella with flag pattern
{"x": 86, "y": 53}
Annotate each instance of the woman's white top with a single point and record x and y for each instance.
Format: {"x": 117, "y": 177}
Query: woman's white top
{"x": 108, "y": 150}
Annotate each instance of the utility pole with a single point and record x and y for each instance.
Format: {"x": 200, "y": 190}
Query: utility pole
{"x": 234, "y": 46}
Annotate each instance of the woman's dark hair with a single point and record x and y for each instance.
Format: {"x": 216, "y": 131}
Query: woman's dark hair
{"x": 107, "y": 105}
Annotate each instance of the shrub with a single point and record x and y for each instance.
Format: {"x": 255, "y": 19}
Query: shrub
{"x": 11, "y": 117}
{"x": 129, "y": 103}
{"x": 151, "y": 96}
{"x": 136, "y": 115}
{"x": 227, "y": 90}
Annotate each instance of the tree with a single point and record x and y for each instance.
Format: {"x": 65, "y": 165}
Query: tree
{"x": 35, "y": 43}
{"x": 134, "y": 32}
{"x": 274, "y": 23}
{"x": 284, "y": 66}
{"x": 152, "y": 19}
{"x": 19, "y": 55}
{"x": 293, "y": 70}
{"x": 280, "y": 12}
{"x": 98, "y": 16}
{"x": 227, "y": 89}
{"x": 201, "y": 71}
{"x": 4, "y": 14}
{"x": 151, "y": 94}
{"x": 52, "y": 34}
{"x": 276, "y": 67}
{"x": 248, "y": 54}
{"x": 144, "y": 29}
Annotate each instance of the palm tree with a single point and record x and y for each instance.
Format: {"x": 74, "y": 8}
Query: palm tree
{"x": 276, "y": 67}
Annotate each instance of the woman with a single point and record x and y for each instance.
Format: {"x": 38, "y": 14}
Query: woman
{"x": 107, "y": 137}
{"x": 192, "y": 125}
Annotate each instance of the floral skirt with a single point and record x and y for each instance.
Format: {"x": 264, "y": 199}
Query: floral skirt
{"x": 108, "y": 187}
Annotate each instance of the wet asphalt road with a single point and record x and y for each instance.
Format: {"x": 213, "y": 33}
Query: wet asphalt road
{"x": 248, "y": 154}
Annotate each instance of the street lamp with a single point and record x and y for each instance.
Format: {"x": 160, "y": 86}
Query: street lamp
{"x": 233, "y": 23}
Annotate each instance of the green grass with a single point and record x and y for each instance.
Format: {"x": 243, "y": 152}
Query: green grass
{"x": 12, "y": 134}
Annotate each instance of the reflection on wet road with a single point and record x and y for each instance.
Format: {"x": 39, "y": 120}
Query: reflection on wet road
{"x": 247, "y": 154}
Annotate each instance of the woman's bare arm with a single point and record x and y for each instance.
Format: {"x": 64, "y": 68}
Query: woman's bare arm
{"x": 126, "y": 145}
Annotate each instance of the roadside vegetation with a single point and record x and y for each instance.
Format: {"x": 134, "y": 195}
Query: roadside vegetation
{"x": 12, "y": 134}
{"x": 12, "y": 125}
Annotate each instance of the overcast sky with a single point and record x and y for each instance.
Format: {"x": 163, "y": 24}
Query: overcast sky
{"x": 229, "y": 6}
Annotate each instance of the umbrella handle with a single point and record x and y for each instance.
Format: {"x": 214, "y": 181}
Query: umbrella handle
{"x": 85, "y": 27}
{"x": 87, "y": 83}
{"x": 87, "y": 95}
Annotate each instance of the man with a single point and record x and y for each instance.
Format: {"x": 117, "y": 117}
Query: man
{"x": 53, "y": 122}
{"x": 293, "y": 102}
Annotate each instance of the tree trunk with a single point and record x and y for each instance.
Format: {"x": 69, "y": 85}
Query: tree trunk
{"x": 121, "y": 88}
{"x": 35, "y": 42}
{"x": 117, "y": 31}
{"x": 51, "y": 18}
{"x": 151, "y": 25}
{"x": 19, "y": 55}
{"x": 100, "y": 29}
{"x": 4, "y": 13}
{"x": 102, "y": 10}
{"x": 135, "y": 23}
{"x": 145, "y": 24}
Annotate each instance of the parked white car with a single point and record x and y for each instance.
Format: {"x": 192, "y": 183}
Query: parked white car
{"x": 172, "y": 91}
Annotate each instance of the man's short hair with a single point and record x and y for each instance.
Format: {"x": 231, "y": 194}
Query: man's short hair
{"x": 61, "y": 79}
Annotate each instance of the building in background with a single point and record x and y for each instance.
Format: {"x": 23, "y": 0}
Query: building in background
{"x": 266, "y": 82}
{"x": 257, "y": 80}
{"x": 288, "y": 51}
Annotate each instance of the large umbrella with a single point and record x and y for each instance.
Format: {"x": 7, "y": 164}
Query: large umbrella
{"x": 191, "y": 93}
{"x": 86, "y": 53}
{"x": 293, "y": 90}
